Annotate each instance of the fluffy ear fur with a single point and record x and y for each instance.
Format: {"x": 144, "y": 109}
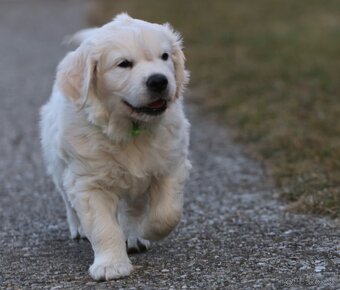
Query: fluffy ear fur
{"x": 181, "y": 74}
{"x": 76, "y": 39}
{"x": 122, "y": 18}
{"x": 76, "y": 75}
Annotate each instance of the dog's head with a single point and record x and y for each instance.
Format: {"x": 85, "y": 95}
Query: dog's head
{"x": 127, "y": 68}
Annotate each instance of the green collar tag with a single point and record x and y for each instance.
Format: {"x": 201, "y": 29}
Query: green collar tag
{"x": 135, "y": 130}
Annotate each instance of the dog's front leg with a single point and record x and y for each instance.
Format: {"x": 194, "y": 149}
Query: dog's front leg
{"x": 166, "y": 203}
{"x": 97, "y": 213}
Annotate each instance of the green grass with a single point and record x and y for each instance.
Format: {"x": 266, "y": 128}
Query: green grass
{"x": 271, "y": 69}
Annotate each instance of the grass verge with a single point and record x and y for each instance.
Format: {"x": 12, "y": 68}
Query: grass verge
{"x": 271, "y": 69}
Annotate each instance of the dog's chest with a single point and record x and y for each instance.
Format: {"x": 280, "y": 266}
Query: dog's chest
{"x": 132, "y": 169}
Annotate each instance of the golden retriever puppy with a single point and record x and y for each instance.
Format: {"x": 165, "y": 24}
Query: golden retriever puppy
{"x": 115, "y": 138}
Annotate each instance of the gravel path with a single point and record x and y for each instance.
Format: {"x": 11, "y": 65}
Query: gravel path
{"x": 233, "y": 234}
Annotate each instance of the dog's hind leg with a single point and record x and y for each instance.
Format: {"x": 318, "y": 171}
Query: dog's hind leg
{"x": 130, "y": 217}
{"x": 75, "y": 227}
{"x": 76, "y": 230}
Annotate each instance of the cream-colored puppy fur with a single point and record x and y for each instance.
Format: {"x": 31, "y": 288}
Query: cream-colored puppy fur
{"x": 120, "y": 169}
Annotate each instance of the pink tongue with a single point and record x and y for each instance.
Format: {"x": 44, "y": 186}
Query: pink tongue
{"x": 156, "y": 105}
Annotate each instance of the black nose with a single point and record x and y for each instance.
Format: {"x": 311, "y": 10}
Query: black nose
{"x": 157, "y": 83}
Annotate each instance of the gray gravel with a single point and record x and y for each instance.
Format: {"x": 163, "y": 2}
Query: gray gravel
{"x": 233, "y": 234}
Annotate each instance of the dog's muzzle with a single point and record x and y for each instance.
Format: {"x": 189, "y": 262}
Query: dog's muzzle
{"x": 157, "y": 85}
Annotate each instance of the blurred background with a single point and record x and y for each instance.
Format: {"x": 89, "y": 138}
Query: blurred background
{"x": 271, "y": 71}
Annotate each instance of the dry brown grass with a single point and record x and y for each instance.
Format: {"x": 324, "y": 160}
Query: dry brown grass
{"x": 272, "y": 70}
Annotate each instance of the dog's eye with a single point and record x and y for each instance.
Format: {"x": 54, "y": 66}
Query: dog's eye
{"x": 125, "y": 63}
{"x": 165, "y": 56}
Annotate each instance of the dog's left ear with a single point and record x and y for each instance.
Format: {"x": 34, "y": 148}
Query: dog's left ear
{"x": 181, "y": 74}
{"x": 76, "y": 75}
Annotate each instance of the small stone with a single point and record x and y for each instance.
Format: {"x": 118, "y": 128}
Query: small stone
{"x": 91, "y": 283}
{"x": 319, "y": 268}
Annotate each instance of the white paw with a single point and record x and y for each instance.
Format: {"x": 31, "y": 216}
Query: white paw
{"x": 77, "y": 232}
{"x": 137, "y": 245}
{"x": 110, "y": 270}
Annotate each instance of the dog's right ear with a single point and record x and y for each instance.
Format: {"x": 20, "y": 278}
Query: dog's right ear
{"x": 76, "y": 75}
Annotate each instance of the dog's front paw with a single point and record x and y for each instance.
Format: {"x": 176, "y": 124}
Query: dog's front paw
{"x": 110, "y": 270}
{"x": 137, "y": 245}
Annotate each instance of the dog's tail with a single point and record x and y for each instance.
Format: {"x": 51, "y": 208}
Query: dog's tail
{"x": 76, "y": 39}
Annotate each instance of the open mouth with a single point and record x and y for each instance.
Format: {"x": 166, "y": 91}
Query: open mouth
{"x": 154, "y": 108}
